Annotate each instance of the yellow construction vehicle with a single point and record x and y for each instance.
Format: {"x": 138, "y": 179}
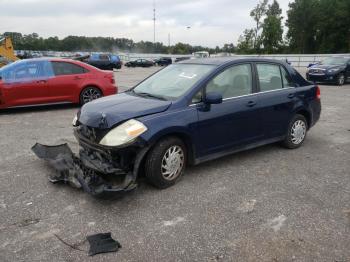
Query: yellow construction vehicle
{"x": 7, "y": 53}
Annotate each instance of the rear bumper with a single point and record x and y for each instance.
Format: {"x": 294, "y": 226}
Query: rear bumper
{"x": 111, "y": 90}
{"x": 316, "y": 111}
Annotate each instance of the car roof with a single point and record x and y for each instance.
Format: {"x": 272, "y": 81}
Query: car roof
{"x": 218, "y": 61}
{"x": 55, "y": 59}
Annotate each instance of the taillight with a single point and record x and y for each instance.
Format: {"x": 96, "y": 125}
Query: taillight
{"x": 318, "y": 92}
{"x": 111, "y": 78}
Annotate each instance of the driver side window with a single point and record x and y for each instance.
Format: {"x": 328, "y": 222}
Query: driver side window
{"x": 234, "y": 81}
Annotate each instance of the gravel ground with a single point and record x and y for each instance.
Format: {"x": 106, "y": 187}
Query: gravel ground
{"x": 266, "y": 204}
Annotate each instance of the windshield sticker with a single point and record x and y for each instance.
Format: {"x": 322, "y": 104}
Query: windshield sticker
{"x": 183, "y": 74}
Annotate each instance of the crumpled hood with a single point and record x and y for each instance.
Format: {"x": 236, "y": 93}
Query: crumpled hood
{"x": 111, "y": 110}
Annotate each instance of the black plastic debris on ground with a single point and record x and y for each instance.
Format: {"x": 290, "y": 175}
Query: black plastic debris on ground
{"x": 71, "y": 170}
{"x": 62, "y": 159}
{"x": 102, "y": 243}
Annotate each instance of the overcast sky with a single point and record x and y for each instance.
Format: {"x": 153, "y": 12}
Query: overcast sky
{"x": 212, "y": 22}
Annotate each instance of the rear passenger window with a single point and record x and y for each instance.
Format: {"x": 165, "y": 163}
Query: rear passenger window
{"x": 287, "y": 80}
{"x": 64, "y": 68}
{"x": 269, "y": 77}
{"x": 234, "y": 81}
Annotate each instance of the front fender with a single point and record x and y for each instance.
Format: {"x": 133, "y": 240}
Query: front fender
{"x": 181, "y": 132}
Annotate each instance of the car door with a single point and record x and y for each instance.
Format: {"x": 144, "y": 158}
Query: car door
{"x": 9, "y": 83}
{"x": 67, "y": 81}
{"x": 27, "y": 83}
{"x": 276, "y": 98}
{"x": 138, "y": 62}
{"x": 104, "y": 62}
{"x": 236, "y": 121}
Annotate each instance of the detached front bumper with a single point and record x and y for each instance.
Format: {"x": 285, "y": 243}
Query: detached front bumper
{"x": 102, "y": 172}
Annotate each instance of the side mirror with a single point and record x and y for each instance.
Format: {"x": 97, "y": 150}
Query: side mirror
{"x": 213, "y": 98}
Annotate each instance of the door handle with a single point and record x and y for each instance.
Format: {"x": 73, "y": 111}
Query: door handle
{"x": 77, "y": 78}
{"x": 41, "y": 81}
{"x": 251, "y": 103}
{"x": 290, "y": 96}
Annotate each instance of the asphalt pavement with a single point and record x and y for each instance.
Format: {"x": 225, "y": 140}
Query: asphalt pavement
{"x": 265, "y": 204}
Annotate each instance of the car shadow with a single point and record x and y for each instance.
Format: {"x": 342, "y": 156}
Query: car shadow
{"x": 144, "y": 189}
{"x": 332, "y": 84}
{"x": 38, "y": 108}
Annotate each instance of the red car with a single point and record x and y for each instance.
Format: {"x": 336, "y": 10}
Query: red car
{"x": 51, "y": 80}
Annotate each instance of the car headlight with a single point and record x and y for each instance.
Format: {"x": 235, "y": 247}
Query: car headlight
{"x": 75, "y": 120}
{"x": 333, "y": 70}
{"x": 123, "y": 133}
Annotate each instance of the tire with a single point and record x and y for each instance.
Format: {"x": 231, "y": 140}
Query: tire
{"x": 341, "y": 79}
{"x": 88, "y": 94}
{"x": 295, "y": 138}
{"x": 156, "y": 170}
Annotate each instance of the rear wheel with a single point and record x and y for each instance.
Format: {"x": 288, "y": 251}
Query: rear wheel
{"x": 296, "y": 132}
{"x": 341, "y": 79}
{"x": 166, "y": 162}
{"x": 89, "y": 93}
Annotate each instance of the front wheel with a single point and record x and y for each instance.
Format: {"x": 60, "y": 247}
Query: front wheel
{"x": 340, "y": 79}
{"x": 88, "y": 94}
{"x": 296, "y": 132}
{"x": 166, "y": 162}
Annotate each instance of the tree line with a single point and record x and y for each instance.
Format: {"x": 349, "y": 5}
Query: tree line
{"x": 312, "y": 26}
{"x": 104, "y": 44}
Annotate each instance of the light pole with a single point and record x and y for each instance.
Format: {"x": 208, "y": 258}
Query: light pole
{"x": 154, "y": 22}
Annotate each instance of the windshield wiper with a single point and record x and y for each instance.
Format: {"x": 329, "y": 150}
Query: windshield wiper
{"x": 145, "y": 94}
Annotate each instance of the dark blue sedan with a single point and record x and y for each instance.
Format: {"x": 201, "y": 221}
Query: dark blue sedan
{"x": 191, "y": 112}
{"x": 332, "y": 69}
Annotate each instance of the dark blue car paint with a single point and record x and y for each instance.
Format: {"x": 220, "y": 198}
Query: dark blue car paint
{"x": 126, "y": 105}
{"x": 210, "y": 131}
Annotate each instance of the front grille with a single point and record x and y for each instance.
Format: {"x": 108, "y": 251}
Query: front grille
{"x": 317, "y": 71}
{"x": 92, "y": 134}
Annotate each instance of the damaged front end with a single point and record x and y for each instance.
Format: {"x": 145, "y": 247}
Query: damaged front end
{"x": 112, "y": 140}
{"x": 99, "y": 170}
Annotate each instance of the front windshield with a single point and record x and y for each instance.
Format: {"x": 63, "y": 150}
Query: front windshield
{"x": 7, "y": 68}
{"x": 334, "y": 61}
{"x": 26, "y": 70}
{"x": 173, "y": 81}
